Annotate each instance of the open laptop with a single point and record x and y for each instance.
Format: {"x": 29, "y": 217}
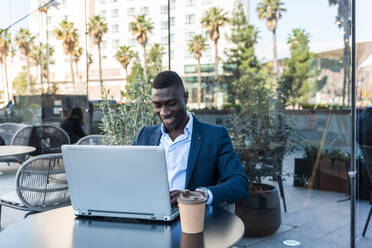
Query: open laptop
{"x": 118, "y": 181}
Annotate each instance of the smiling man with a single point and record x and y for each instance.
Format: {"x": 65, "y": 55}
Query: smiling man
{"x": 199, "y": 156}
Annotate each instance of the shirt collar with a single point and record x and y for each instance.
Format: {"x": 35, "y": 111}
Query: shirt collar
{"x": 188, "y": 128}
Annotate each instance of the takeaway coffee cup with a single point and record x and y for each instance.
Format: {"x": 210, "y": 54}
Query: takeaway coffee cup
{"x": 191, "y": 205}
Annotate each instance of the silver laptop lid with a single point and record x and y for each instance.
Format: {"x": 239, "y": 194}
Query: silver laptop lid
{"x": 118, "y": 181}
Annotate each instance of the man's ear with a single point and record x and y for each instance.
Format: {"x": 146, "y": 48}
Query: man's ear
{"x": 186, "y": 96}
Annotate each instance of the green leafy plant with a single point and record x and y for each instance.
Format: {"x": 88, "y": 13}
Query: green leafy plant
{"x": 122, "y": 123}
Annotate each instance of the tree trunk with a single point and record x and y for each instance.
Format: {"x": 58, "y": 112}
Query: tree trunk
{"x": 275, "y": 60}
{"x": 144, "y": 61}
{"x": 41, "y": 77}
{"x": 346, "y": 61}
{"x": 9, "y": 93}
{"x": 215, "y": 93}
{"x": 72, "y": 71}
{"x": 77, "y": 71}
{"x": 100, "y": 68}
{"x": 28, "y": 76}
{"x": 199, "y": 83}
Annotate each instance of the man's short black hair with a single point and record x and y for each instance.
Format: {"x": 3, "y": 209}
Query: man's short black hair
{"x": 167, "y": 79}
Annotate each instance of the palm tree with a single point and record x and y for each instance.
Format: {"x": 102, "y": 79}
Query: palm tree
{"x": 155, "y": 64}
{"x": 271, "y": 11}
{"x": 140, "y": 28}
{"x": 343, "y": 21}
{"x": 78, "y": 52}
{"x": 212, "y": 20}
{"x": 97, "y": 27}
{"x": 4, "y": 53}
{"x": 39, "y": 59}
{"x": 24, "y": 40}
{"x": 70, "y": 40}
{"x": 197, "y": 45}
{"x": 124, "y": 55}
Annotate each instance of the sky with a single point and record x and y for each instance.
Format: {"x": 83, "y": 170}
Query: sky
{"x": 315, "y": 16}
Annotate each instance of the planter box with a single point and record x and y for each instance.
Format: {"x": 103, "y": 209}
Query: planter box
{"x": 332, "y": 175}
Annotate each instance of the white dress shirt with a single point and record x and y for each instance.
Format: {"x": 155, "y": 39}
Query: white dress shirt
{"x": 177, "y": 155}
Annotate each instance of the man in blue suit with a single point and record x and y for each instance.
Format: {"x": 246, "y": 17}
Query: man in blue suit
{"x": 199, "y": 156}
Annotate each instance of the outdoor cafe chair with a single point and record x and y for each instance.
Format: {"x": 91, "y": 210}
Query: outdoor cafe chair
{"x": 367, "y": 154}
{"x": 45, "y": 138}
{"x": 93, "y": 139}
{"x": 40, "y": 185}
{"x": 7, "y": 132}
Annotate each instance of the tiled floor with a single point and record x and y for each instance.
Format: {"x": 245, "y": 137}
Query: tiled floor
{"x": 315, "y": 218}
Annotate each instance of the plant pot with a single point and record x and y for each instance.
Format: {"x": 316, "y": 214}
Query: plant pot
{"x": 260, "y": 211}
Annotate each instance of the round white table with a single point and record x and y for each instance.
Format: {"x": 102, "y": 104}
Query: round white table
{"x": 6, "y": 151}
{"x": 15, "y": 150}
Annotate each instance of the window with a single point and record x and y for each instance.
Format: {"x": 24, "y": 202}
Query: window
{"x": 104, "y": 57}
{"x": 164, "y": 25}
{"x": 188, "y": 55}
{"x": 115, "y": 44}
{"x": 164, "y": 39}
{"x": 190, "y": 19}
{"x": 103, "y": 13}
{"x": 190, "y": 3}
{"x": 172, "y": 36}
{"x": 188, "y": 36}
{"x": 206, "y": 1}
{"x": 172, "y": 21}
{"x": 164, "y": 10}
{"x": 172, "y": 54}
{"x": 102, "y": 1}
{"x": 49, "y": 19}
{"x": 115, "y": 28}
{"x": 131, "y": 12}
{"x": 115, "y": 13}
{"x": 65, "y": 17}
{"x": 104, "y": 44}
{"x": 190, "y": 68}
{"x": 173, "y": 4}
{"x": 144, "y": 10}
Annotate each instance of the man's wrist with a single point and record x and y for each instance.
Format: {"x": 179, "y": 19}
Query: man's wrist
{"x": 203, "y": 190}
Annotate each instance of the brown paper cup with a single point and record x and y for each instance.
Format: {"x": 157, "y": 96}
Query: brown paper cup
{"x": 192, "y": 206}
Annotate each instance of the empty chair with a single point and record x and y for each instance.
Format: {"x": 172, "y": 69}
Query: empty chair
{"x": 8, "y": 129}
{"x": 93, "y": 139}
{"x": 40, "y": 185}
{"x": 45, "y": 138}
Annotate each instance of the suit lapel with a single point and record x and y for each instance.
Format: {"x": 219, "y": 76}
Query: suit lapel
{"x": 196, "y": 140}
{"x": 155, "y": 137}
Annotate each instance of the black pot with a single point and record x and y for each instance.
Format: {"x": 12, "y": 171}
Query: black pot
{"x": 260, "y": 211}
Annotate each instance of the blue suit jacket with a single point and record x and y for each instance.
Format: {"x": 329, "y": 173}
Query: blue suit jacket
{"x": 212, "y": 162}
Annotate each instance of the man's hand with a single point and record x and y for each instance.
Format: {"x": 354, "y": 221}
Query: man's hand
{"x": 173, "y": 196}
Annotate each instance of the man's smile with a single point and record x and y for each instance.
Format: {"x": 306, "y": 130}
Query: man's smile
{"x": 168, "y": 121}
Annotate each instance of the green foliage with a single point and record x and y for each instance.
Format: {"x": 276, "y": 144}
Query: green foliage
{"x": 134, "y": 77}
{"x": 250, "y": 81}
{"x": 294, "y": 84}
{"x": 323, "y": 106}
{"x": 271, "y": 11}
{"x": 311, "y": 152}
{"x": 20, "y": 84}
{"x": 123, "y": 123}
{"x": 155, "y": 60}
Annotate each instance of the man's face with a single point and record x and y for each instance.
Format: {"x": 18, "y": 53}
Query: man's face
{"x": 170, "y": 105}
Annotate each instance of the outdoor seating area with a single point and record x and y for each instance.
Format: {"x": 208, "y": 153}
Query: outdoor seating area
{"x": 185, "y": 123}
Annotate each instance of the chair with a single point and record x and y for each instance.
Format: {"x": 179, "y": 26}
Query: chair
{"x": 367, "y": 154}
{"x": 40, "y": 185}
{"x": 8, "y": 129}
{"x": 45, "y": 138}
{"x": 7, "y": 132}
{"x": 92, "y": 140}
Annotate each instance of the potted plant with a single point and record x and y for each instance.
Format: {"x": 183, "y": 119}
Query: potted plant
{"x": 259, "y": 136}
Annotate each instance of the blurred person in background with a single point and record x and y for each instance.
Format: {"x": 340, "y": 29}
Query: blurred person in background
{"x": 73, "y": 124}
